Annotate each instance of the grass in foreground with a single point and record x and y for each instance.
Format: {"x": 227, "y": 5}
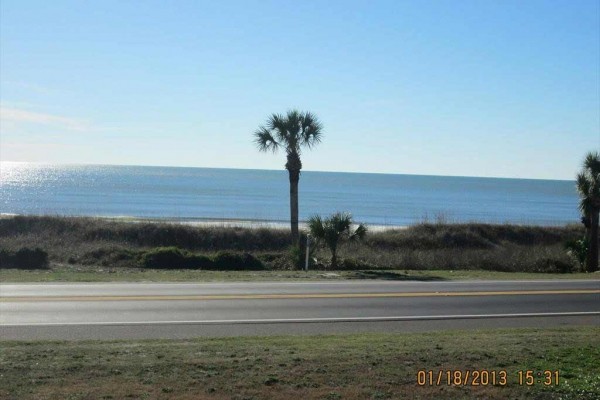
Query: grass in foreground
{"x": 71, "y": 274}
{"x": 366, "y": 366}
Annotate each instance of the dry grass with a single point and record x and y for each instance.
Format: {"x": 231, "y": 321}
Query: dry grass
{"x": 106, "y": 243}
{"x": 102, "y": 274}
{"x": 367, "y": 366}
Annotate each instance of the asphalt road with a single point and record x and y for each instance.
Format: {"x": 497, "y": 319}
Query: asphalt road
{"x": 182, "y": 310}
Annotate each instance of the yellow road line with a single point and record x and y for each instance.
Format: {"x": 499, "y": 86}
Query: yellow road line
{"x": 288, "y": 296}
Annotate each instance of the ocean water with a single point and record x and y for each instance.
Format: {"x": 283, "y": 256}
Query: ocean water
{"x": 210, "y": 193}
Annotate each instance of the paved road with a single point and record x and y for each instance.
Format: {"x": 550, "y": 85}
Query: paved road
{"x": 138, "y": 310}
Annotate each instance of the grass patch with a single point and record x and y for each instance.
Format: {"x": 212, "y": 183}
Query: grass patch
{"x": 365, "y": 366}
{"x": 75, "y": 274}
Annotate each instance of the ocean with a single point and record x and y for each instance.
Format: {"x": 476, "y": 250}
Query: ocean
{"x": 191, "y": 194}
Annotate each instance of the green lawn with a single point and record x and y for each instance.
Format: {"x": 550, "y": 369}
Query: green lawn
{"x": 365, "y": 366}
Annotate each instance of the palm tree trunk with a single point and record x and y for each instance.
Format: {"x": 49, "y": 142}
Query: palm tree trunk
{"x": 592, "y": 256}
{"x": 294, "y": 179}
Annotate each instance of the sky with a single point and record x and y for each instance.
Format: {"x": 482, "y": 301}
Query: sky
{"x": 467, "y": 88}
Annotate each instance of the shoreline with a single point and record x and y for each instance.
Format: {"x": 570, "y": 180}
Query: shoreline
{"x": 277, "y": 224}
{"x": 201, "y": 221}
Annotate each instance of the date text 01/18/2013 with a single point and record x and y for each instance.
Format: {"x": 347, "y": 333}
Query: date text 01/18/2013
{"x": 484, "y": 377}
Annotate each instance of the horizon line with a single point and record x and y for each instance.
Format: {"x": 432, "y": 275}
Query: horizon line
{"x": 283, "y": 169}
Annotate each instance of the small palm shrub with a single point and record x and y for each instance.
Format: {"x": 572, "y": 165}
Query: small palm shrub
{"x": 334, "y": 229}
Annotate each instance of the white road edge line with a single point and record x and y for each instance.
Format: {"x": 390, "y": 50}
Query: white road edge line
{"x": 312, "y": 320}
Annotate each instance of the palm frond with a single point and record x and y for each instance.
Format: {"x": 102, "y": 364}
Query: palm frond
{"x": 275, "y": 121}
{"x": 293, "y": 127}
{"x": 265, "y": 141}
{"x": 592, "y": 163}
{"x": 312, "y": 130}
{"x": 277, "y": 125}
{"x": 583, "y": 184}
{"x": 360, "y": 232}
{"x": 585, "y": 206}
{"x": 315, "y": 226}
{"x": 588, "y": 188}
{"x": 294, "y": 115}
{"x": 341, "y": 222}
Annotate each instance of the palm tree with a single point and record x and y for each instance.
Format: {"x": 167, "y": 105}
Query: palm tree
{"x": 588, "y": 186}
{"x": 334, "y": 228}
{"x": 291, "y": 132}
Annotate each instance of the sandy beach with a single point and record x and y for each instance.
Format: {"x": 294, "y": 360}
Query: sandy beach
{"x": 218, "y": 222}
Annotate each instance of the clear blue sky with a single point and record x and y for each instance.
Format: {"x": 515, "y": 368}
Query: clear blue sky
{"x": 476, "y": 88}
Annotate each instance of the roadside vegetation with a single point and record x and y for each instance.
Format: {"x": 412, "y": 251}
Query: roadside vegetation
{"x": 88, "y": 244}
{"x": 104, "y": 274}
{"x": 588, "y": 187}
{"x": 333, "y": 230}
{"x": 308, "y": 367}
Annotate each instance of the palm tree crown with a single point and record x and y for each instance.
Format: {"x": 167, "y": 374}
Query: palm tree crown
{"x": 588, "y": 183}
{"x": 293, "y": 131}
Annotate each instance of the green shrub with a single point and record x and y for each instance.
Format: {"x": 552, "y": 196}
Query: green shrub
{"x": 31, "y": 258}
{"x": 174, "y": 258}
{"x": 24, "y": 258}
{"x": 108, "y": 256}
{"x": 553, "y": 265}
{"x": 165, "y": 258}
{"x": 226, "y": 260}
{"x": 296, "y": 256}
{"x": 6, "y": 259}
{"x": 198, "y": 261}
{"x": 577, "y": 250}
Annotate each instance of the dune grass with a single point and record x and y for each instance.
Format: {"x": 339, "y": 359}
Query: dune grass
{"x": 357, "y": 366}
{"x": 83, "y": 245}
